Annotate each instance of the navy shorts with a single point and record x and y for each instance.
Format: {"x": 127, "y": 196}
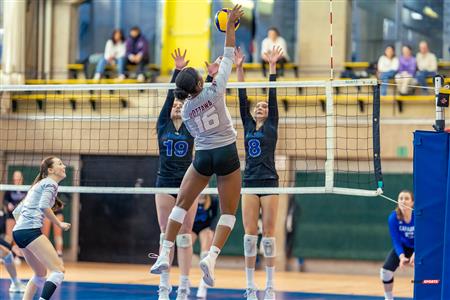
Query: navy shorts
{"x": 163, "y": 182}
{"x": 272, "y": 183}
{"x": 220, "y": 161}
{"x": 24, "y": 237}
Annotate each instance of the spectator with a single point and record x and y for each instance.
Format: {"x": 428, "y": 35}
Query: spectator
{"x": 426, "y": 65}
{"x": 406, "y": 71}
{"x": 387, "y": 68}
{"x": 114, "y": 54}
{"x": 274, "y": 39}
{"x": 137, "y": 51}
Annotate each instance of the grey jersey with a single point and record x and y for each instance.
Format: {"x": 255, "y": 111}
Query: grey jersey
{"x": 31, "y": 210}
{"x": 206, "y": 116}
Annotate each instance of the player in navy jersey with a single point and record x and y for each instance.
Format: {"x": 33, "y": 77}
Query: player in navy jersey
{"x": 260, "y": 139}
{"x": 10, "y": 201}
{"x": 401, "y": 228}
{"x": 175, "y": 156}
{"x": 208, "y": 120}
{"x": 7, "y": 256}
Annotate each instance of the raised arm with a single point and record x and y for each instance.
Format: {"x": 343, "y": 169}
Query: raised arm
{"x": 244, "y": 106}
{"x": 272, "y": 57}
{"x": 228, "y": 53}
{"x": 395, "y": 235}
{"x": 180, "y": 63}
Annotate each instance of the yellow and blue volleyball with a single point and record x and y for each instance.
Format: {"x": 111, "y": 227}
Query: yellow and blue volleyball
{"x": 221, "y": 20}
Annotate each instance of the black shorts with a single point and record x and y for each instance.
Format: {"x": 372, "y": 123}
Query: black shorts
{"x": 273, "y": 183}
{"x": 164, "y": 182}
{"x": 392, "y": 261}
{"x": 199, "y": 226}
{"x": 5, "y": 244}
{"x": 220, "y": 161}
{"x": 24, "y": 237}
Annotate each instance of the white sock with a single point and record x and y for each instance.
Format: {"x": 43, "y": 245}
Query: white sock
{"x": 250, "y": 274}
{"x": 184, "y": 281}
{"x": 164, "y": 279}
{"x": 15, "y": 281}
{"x": 166, "y": 247}
{"x": 269, "y": 276}
{"x": 214, "y": 252}
{"x": 388, "y": 295}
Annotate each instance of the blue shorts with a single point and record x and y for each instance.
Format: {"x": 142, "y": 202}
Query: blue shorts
{"x": 24, "y": 237}
{"x": 273, "y": 183}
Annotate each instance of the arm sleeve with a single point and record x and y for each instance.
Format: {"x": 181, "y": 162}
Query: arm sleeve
{"x": 273, "y": 103}
{"x": 7, "y": 198}
{"x": 209, "y": 78}
{"x": 220, "y": 83}
{"x": 434, "y": 66}
{"x": 164, "y": 114}
{"x": 395, "y": 64}
{"x": 244, "y": 107}
{"x": 48, "y": 194}
{"x": 122, "y": 50}
{"x": 395, "y": 234}
{"x": 144, "y": 50}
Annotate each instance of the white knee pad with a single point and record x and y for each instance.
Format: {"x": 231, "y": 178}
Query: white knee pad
{"x": 161, "y": 238}
{"x": 268, "y": 244}
{"x": 227, "y": 220}
{"x": 8, "y": 259}
{"x": 250, "y": 242}
{"x": 184, "y": 240}
{"x": 386, "y": 276}
{"x": 178, "y": 214}
{"x": 38, "y": 281}
{"x": 56, "y": 277}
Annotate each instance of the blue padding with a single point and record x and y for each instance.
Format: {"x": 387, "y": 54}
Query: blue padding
{"x": 446, "y": 261}
{"x": 430, "y": 192}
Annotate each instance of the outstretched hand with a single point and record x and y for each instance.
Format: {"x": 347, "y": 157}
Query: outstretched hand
{"x": 273, "y": 56}
{"x": 213, "y": 68}
{"x": 180, "y": 60}
{"x": 235, "y": 13}
{"x": 239, "y": 57}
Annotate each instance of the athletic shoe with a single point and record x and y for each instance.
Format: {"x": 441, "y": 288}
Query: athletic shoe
{"x": 202, "y": 290}
{"x": 207, "y": 267}
{"x": 141, "y": 78}
{"x": 183, "y": 293}
{"x": 17, "y": 288}
{"x": 161, "y": 264}
{"x": 164, "y": 292}
{"x": 250, "y": 293}
{"x": 269, "y": 294}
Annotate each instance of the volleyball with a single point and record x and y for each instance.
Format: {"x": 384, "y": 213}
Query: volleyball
{"x": 221, "y": 20}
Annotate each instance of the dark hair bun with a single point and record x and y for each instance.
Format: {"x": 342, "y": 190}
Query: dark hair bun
{"x": 180, "y": 94}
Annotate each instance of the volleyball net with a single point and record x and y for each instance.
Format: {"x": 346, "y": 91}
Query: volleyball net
{"x": 328, "y": 135}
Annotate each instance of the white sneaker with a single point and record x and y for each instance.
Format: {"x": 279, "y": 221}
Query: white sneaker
{"x": 164, "y": 292}
{"x": 141, "y": 78}
{"x": 250, "y": 293}
{"x": 207, "y": 267}
{"x": 97, "y": 76}
{"x": 121, "y": 77}
{"x": 183, "y": 293}
{"x": 202, "y": 290}
{"x": 17, "y": 288}
{"x": 161, "y": 264}
{"x": 269, "y": 294}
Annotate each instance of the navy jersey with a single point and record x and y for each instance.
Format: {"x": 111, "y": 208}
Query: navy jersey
{"x": 206, "y": 215}
{"x": 13, "y": 197}
{"x": 175, "y": 146}
{"x": 402, "y": 233}
{"x": 260, "y": 143}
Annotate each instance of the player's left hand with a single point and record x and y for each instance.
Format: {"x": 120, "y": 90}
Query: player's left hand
{"x": 411, "y": 259}
{"x": 212, "y": 68}
{"x": 180, "y": 60}
{"x": 273, "y": 56}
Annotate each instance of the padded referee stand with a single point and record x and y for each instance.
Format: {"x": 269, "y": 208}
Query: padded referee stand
{"x": 432, "y": 215}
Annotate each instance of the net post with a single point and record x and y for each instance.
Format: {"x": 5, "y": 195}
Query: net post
{"x": 330, "y": 121}
{"x": 376, "y": 137}
{"x": 439, "y": 124}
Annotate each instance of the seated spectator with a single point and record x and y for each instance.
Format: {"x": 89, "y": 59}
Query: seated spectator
{"x": 137, "y": 51}
{"x": 406, "y": 71}
{"x": 426, "y": 65}
{"x": 274, "y": 39}
{"x": 387, "y": 68}
{"x": 114, "y": 54}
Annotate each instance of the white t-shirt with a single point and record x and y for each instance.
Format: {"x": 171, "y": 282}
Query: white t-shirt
{"x": 386, "y": 64}
{"x": 426, "y": 62}
{"x": 267, "y": 46}
{"x": 116, "y": 51}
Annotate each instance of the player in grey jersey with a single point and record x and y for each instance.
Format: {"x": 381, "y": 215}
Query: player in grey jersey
{"x": 208, "y": 120}
{"x": 39, "y": 253}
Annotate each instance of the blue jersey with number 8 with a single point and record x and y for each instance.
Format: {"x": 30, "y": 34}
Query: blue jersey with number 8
{"x": 260, "y": 144}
